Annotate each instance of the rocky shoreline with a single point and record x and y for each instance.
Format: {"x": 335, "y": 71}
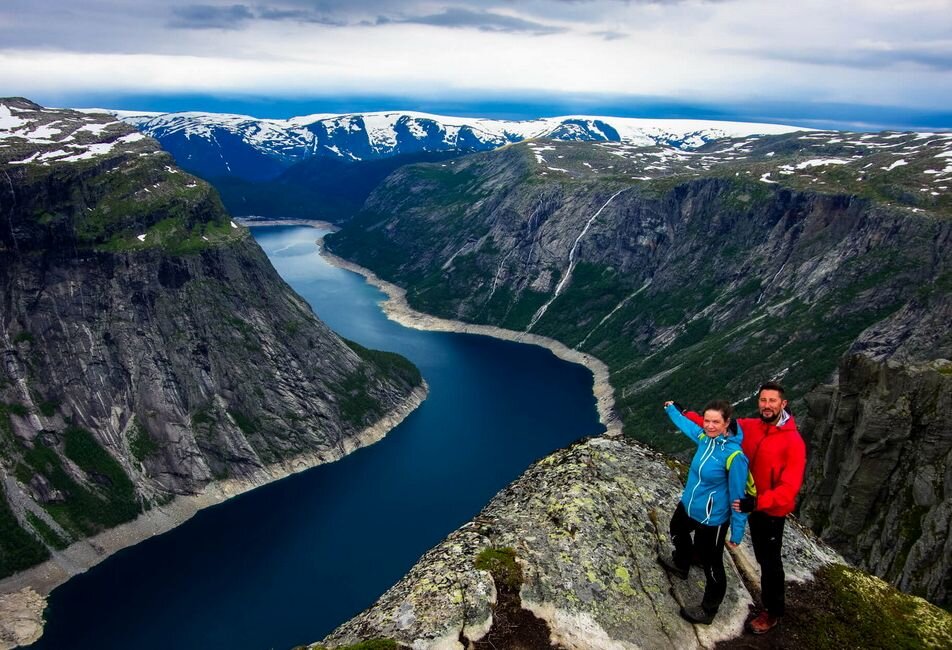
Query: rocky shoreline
{"x": 23, "y": 596}
{"x": 398, "y": 310}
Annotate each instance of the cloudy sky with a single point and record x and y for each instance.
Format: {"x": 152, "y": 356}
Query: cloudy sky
{"x": 844, "y": 60}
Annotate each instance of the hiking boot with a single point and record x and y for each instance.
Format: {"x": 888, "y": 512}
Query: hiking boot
{"x": 672, "y": 568}
{"x": 763, "y": 623}
{"x": 697, "y": 615}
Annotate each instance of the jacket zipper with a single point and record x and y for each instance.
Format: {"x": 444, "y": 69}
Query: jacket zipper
{"x": 710, "y": 506}
{"x": 710, "y": 452}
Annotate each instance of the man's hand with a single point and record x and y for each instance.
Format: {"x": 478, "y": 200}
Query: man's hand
{"x": 747, "y": 504}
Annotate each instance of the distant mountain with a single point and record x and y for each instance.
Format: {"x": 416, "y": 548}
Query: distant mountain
{"x": 215, "y": 145}
{"x": 324, "y": 166}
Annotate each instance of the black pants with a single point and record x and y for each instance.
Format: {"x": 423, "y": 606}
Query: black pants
{"x": 708, "y": 545}
{"x": 766, "y": 534}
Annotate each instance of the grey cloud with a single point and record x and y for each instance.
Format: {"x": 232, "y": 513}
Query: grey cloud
{"x": 359, "y": 12}
{"x": 210, "y": 17}
{"x": 610, "y": 36}
{"x": 299, "y": 15}
{"x": 486, "y": 21}
{"x": 867, "y": 59}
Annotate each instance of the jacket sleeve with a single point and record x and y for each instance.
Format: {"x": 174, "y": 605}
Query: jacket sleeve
{"x": 694, "y": 432}
{"x": 787, "y": 483}
{"x": 736, "y": 486}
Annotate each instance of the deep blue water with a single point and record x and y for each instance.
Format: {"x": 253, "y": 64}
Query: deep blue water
{"x": 288, "y": 562}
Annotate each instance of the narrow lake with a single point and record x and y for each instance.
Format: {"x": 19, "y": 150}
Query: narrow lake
{"x": 286, "y": 563}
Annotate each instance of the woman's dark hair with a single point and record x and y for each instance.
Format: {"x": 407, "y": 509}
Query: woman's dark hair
{"x": 723, "y": 406}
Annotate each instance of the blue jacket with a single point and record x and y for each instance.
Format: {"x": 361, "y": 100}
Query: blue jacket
{"x": 711, "y": 486}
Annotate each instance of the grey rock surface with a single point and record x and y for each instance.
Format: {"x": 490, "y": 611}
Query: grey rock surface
{"x": 879, "y": 474}
{"x": 586, "y": 524}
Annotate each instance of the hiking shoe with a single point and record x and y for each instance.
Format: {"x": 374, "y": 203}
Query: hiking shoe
{"x": 697, "y": 615}
{"x": 672, "y": 568}
{"x": 763, "y": 623}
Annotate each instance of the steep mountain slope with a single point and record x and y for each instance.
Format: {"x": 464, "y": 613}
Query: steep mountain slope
{"x": 685, "y": 272}
{"x": 878, "y": 484}
{"x": 149, "y": 348}
{"x": 325, "y": 188}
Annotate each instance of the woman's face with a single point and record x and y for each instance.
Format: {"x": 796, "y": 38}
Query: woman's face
{"x": 714, "y": 423}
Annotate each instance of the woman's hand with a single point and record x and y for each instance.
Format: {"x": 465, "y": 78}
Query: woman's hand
{"x": 668, "y": 403}
{"x": 731, "y": 544}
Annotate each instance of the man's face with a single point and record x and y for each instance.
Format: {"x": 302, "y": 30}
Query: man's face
{"x": 770, "y": 404}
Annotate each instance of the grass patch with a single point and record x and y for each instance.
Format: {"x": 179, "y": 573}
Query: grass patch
{"x": 18, "y": 549}
{"x": 46, "y": 532}
{"x": 17, "y": 409}
{"x": 85, "y": 511}
{"x": 141, "y": 444}
{"x": 370, "y": 644}
{"x": 248, "y": 425}
{"x": 501, "y": 563}
{"x": 389, "y": 363}
{"x": 846, "y": 608}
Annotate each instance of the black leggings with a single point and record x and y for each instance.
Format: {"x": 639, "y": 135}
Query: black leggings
{"x": 708, "y": 545}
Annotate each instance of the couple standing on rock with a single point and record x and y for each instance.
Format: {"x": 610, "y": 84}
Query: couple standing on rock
{"x": 745, "y": 470}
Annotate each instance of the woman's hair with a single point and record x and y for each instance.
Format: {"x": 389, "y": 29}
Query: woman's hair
{"x": 723, "y": 406}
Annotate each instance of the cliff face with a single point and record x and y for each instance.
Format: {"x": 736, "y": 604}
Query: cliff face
{"x": 681, "y": 272}
{"x": 148, "y": 346}
{"x": 879, "y": 478}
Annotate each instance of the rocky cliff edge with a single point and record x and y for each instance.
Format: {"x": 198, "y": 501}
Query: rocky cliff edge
{"x": 577, "y": 537}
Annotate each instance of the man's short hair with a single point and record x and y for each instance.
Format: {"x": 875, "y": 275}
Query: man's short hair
{"x": 771, "y": 385}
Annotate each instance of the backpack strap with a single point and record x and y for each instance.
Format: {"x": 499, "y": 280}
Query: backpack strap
{"x": 730, "y": 459}
{"x": 750, "y": 488}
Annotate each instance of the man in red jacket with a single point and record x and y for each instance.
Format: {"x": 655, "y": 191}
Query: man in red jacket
{"x": 777, "y": 458}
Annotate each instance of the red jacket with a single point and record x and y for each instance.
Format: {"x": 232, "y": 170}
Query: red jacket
{"x": 777, "y": 458}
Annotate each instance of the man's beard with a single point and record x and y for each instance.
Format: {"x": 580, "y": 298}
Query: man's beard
{"x": 771, "y": 419}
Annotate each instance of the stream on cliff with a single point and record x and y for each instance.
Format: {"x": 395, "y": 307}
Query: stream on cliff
{"x": 288, "y": 562}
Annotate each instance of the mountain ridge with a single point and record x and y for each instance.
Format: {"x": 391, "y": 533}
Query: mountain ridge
{"x": 370, "y": 135}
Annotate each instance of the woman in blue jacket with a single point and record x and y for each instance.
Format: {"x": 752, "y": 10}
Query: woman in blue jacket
{"x": 717, "y": 477}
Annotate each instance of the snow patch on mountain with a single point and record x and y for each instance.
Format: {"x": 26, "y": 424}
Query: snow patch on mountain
{"x": 362, "y": 136}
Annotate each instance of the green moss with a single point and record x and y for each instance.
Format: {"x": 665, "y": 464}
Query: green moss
{"x": 247, "y": 424}
{"x": 855, "y": 610}
{"x": 501, "y": 563}
{"x": 23, "y": 337}
{"x": 389, "y": 363}
{"x": 371, "y": 644}
{"x": 46, "y": 532}
{"x": 18, "y": 410}
{"x": 85, "y": 511}
{"x": 141, "y": 444}
{"x": 203, "y": 416}
{"x": 18, "y": 548}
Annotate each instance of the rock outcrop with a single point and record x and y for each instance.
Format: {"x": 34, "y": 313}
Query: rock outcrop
{"x": 879, "y": 477}
{"x": 148, "y": 347}
{"x": 584, "y": 525}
